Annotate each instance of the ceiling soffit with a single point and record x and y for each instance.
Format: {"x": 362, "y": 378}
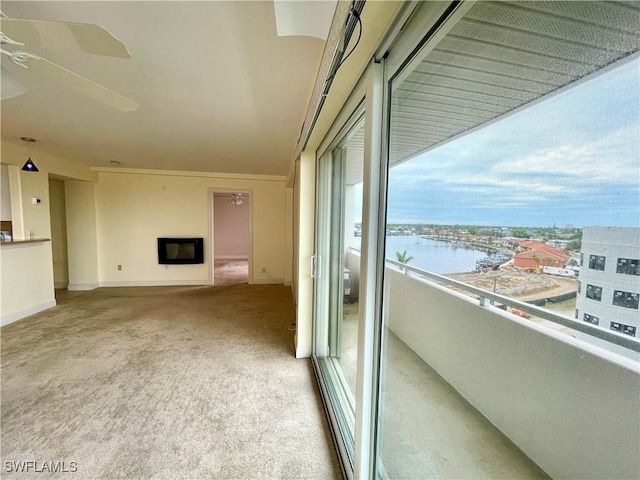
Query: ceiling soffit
{"x": 501, "y": 56}
{"x": 498, "y": 58}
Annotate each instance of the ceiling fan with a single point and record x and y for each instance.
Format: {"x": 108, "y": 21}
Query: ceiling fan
{"x": 236, "y": 199}
{"x": 16, "y": 33}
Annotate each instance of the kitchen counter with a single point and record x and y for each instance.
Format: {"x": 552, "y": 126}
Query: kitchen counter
{"x": 29, "y": 240}
{"x": 26, "y": 278}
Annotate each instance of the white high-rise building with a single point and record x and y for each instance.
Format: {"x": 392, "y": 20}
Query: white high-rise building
{"x": 609, "y": 282}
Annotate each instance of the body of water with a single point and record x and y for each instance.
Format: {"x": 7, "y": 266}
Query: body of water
{"x": 432, "y": 255}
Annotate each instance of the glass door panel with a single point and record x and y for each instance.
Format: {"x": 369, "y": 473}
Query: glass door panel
{"x": 495, "y": 157}
{"x": 336, "y": 316}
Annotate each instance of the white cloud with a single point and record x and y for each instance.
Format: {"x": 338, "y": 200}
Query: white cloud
{"x": 560, "y": 170}
{"x": 611, "y": 159}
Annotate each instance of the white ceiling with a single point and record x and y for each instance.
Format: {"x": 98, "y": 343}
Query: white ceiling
{"x": 218, "y": 89}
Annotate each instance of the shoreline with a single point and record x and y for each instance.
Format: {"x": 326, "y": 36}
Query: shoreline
{"x": 476, "y": 245}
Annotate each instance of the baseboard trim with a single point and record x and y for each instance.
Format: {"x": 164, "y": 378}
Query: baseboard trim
{"x": 14, "y": 317}
{"x": 82, "y": 286}
{"x": 268, "y": 281}
{"x": 156, "y": 283}
{"x": 231, "y": 257}
{"x": 59, "y": 285}
{"x": 303, "y": 352}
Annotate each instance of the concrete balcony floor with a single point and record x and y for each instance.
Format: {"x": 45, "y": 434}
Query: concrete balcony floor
{"x": 428, "y": 429}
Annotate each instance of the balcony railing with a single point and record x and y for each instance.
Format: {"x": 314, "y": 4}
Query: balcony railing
{"x": 486, "y": 298}
{"x": 489, "y": 298}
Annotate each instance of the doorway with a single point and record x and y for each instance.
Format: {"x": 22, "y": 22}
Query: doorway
{"x": 231, "y": 237}
{"x": 58, "y": 216}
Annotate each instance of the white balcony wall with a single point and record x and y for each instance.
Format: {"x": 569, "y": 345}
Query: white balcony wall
{"x": 349, "y": 216}
{"x": 352, "y": 263}
{"x": 571, "y": 407}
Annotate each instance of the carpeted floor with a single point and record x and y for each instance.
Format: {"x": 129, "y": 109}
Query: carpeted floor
{"x": 163, "y": 382}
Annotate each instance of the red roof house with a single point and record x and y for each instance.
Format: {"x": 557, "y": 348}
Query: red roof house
{"x": 538, "y": 255}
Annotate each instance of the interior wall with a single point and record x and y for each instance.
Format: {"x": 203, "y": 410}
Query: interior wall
{"x": 5, "y": 194}
{"x": 288, "y": 236}
{"x": 231, "y": 227}
{"x": 82, "y": 245}
{"x": 134, "y": 209}
{"x": 306, "y": 243}
{"x": 296, "y": 231}
{"x": 35, "y": 215}
{"x": 15, "y": 192}
{"x": 57, "y": 209}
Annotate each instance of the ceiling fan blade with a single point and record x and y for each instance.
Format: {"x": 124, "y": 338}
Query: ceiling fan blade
{"x": 9, "y": 86}
{"x": 64, "y": 36}
{"x": 82, "y": 84}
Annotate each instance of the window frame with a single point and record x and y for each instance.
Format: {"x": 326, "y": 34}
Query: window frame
{"x": 635, "y": 299}
{"x": 340, "y": 403}
{"x": 631, "y": 268}
{"x": 592, "y": 319}
{"x": 594, "y": 288}
{"x": 597, "y": 262}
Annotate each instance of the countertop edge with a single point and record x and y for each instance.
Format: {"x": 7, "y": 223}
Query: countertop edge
{"x": 30, "y": 240}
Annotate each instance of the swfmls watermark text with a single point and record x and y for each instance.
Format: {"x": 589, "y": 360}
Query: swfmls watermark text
{"x": 35, "y": 466}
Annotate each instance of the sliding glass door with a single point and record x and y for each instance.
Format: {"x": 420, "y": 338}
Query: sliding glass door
{"x": 494, "y": 130}
{"x": 337, "y": 265}
{"x": 504, "y": 127}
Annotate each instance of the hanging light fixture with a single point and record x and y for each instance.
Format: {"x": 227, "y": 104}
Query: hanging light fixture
{"x": 29, "y": 166}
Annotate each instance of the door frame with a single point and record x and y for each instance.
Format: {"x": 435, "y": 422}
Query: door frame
{"x": 210, "y": 247}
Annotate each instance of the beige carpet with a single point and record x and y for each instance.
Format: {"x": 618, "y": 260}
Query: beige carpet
{"x": 163, "y": 382}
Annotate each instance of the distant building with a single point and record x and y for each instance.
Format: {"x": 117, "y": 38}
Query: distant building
{"x": 538, "y": 255}
{"x": 558, "y": 243}
{"x": 609, "y": 281}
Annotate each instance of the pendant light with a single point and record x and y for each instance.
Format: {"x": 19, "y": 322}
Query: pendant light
{"x": 29, "y": 166}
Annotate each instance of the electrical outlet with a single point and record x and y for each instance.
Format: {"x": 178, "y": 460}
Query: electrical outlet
{"x": 119, "y": 267}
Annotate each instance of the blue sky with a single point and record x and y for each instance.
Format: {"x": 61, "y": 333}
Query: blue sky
{"x": 572, "y": 159}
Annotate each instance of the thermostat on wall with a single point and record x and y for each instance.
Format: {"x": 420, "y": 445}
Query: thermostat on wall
{"x": 36, "y": 201}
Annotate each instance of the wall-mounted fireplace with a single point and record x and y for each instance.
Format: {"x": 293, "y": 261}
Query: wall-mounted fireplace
{"x": 180, "y": 251}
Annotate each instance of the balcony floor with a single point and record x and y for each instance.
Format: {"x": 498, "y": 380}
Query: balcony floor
{"x": 428, "y": 429}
